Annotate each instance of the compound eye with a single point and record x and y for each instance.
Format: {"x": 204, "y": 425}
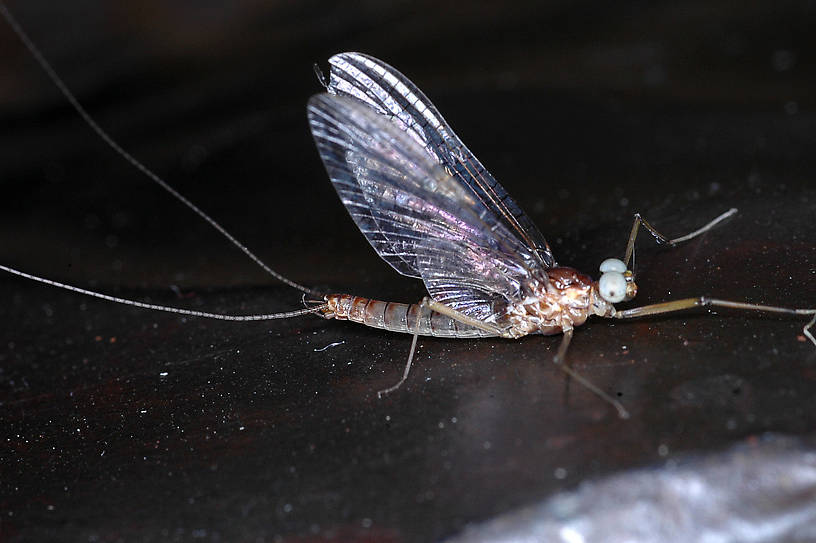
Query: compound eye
{"x": 613, "y": 265}
{"x": 612, "y": 287}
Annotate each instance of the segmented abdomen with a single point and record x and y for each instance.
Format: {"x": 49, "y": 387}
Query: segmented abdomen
{"x": 397, "y": 317}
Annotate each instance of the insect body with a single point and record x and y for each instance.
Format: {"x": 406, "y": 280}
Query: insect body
{"x": 432, "y": 211}
{"x": 566, "y": 299}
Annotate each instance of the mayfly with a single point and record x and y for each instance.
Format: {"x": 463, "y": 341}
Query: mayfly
{"x": 432, "y": 211}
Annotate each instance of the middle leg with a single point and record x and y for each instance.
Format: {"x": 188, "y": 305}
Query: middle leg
{"x": 560, "y": 361}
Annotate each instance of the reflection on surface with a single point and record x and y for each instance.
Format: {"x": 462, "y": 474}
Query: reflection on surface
{"x": 761, "y": 490}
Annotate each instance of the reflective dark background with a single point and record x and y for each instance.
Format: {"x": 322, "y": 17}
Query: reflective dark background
{"x": 118, "y": 423}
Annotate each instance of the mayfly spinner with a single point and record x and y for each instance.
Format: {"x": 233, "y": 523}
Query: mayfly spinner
{"x": 432, "y": 211}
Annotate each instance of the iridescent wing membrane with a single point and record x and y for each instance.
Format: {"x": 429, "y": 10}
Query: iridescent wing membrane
{"x": 417, "y": 217}
{"x": 390, "y": 93}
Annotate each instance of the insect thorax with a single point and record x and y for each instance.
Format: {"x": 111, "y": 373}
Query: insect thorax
{"x": 562, "y": 302}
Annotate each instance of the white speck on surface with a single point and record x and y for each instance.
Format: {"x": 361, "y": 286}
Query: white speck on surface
{"x": 329, "y": 346}
{"x": 560, "y": 473}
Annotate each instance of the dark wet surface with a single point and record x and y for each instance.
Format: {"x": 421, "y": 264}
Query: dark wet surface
{"x": 123, "y": 424}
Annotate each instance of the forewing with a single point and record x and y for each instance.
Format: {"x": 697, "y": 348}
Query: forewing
{"x": 415, "y": 215}
{"x": 390, "y": 93}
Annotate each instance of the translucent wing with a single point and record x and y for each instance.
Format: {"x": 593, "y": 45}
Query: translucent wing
{"x": 415, "y": 215}
{"x": 390, "y": 93}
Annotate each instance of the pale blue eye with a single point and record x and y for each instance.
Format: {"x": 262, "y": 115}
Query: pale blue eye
{"x": 612, "y": 286}
{"x": 613, "y": 265}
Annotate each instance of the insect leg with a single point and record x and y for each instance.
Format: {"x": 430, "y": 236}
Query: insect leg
{"x": 560, "y": 361}
{"x": 428, "y": 304}
{"x": 464, "y": 319}
{"x": 702, "y": 301}
{"x": 661, "y": 239}
{"x": 422, "y": 306}
{"x": 406, "y": 371}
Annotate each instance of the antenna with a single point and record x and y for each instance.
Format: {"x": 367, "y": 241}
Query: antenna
{"x": 63, "y": 88}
